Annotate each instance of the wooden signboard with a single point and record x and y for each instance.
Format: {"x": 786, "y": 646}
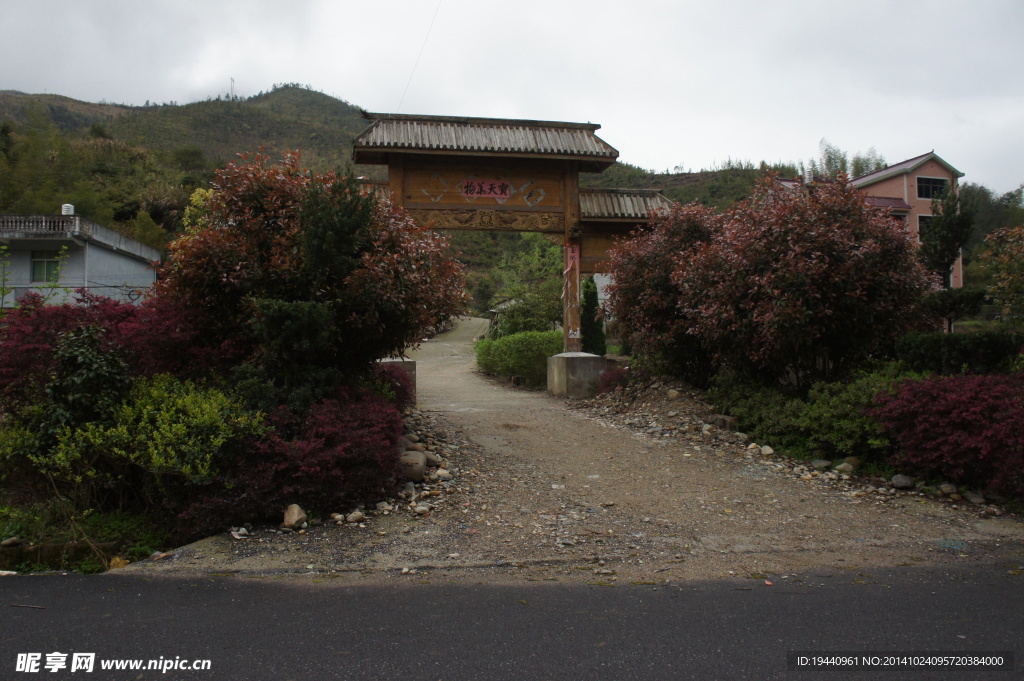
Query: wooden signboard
{"x": 466, "y": 194}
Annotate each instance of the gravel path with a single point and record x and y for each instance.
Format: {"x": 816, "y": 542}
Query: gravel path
{"x": 546, "y": 489}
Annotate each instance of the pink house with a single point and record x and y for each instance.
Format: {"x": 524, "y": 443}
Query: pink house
{"x": 906, "y": 190}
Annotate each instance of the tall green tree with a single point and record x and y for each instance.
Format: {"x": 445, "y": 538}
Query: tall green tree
{"x": 591, "y": 325}
{"x": 951, "y": 225}
{"x": 1004, "y": 257}
{"x": 992, "y": 212}
{"x": 833, "y": 161}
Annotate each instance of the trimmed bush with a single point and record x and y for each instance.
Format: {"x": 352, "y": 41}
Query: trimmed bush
{"x": 644, "y": 302}
{"x": 485, "y": 357}
{"x": 954, "y": 353}
{"x": 792, "y": 286}
{"x": 966, "y": 429}
{"x": 522, "y": 354}
{"x": 764, "y": 412}
{"x": 836, "y": 419}
{"x": 169, "y": 438}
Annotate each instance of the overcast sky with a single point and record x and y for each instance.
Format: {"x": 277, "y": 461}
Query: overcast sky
{"x": 671, "y": 83}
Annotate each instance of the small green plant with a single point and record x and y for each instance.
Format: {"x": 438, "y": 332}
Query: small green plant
{"x": 834, "y": 420}
{"x": 1018, "y": 364}
{"x": 763, "y": 411}
{"x": 139, "y": 535}
{"x": 89, "y": 380}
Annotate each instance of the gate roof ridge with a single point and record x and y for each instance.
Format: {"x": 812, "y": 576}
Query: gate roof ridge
{"x": 470, "y": 136}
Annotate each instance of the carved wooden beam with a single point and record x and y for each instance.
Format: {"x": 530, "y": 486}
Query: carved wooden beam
{"x": 546, "y": 223}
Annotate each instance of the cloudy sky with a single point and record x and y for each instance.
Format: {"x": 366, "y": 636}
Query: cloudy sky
{"x": 672, "y": 83}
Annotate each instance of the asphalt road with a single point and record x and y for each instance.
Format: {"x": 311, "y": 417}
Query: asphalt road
{"x": 303, "y": 629}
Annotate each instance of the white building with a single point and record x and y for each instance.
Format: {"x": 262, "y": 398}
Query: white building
{"x": 55, "y": 255}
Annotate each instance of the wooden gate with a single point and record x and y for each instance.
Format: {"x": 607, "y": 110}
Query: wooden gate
{"x": 508, "y": 175}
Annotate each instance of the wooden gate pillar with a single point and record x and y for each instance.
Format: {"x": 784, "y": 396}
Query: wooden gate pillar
{"x": 571, "y": 298}
{"x": 572, "y": 339}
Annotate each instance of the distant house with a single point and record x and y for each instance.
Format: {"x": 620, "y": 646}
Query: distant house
{"x": 906, "y": 190}
{"x": 56, "y": 254}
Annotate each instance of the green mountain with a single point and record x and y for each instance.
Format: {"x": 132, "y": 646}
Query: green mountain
{"x": 68, "y": 115}
{"x": 284, "y": 119}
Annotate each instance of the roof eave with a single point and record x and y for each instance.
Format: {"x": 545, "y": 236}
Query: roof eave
{"x": 470, "y": 120}
{"x": 382, "y": 156}
{"x": 893, "y": 171}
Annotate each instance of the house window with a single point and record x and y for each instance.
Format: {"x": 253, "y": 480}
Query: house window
{"x": 923, "y": 223}
{"x": 930, "y": 187}
{"x": 45, "y": 267}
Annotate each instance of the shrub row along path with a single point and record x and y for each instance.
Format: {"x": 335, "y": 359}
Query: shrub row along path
{"x": 546, "y": 489}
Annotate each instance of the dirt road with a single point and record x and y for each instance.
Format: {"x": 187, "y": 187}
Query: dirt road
{"x": 546, "y": 490}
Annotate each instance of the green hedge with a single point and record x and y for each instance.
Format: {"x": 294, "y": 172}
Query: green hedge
{"x": 832, "y": 422}
{"x": 522, "y": 354}
{"x": 983, "y": 352}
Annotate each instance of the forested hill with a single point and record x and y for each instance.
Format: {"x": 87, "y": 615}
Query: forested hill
{"x": 717, "y": 188}
{"x": 67, "y": 114}
{"x": 284, "y": 119}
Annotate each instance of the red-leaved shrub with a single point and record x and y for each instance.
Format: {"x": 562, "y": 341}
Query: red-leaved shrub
{"x": 611, "y": 379}
{"x": 156, "y": 337}
{"x": 344, "y": 451}
{"x": 395, "y": 379}
{"x": 967, "y": 429}
{"x": 644, "y": 300}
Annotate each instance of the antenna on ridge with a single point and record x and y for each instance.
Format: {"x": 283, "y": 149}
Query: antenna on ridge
{"x": 232, "y": 88}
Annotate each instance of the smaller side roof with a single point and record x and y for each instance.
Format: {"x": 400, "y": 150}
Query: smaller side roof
{"x": 902, "y": 167}
{"x": 887, "y": 202}
{"x": 620, "y": 204}
{"x": 498, "y": 137}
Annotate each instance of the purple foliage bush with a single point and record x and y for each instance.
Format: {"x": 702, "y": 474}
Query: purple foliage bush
{"x": 611, "y": 379}
{"x": 155, "y": 337}
{"x": 967, "y": 429}
{"x": 344, "y": 450}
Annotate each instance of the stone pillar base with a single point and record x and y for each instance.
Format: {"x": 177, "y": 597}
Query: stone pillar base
{"x": 574, "y": 374}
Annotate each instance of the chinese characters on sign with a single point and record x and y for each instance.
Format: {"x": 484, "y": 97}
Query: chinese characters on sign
{"x": 495, "y": 189}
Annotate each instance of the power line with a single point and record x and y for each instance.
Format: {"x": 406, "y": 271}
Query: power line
{"x": 436, "y": 10}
